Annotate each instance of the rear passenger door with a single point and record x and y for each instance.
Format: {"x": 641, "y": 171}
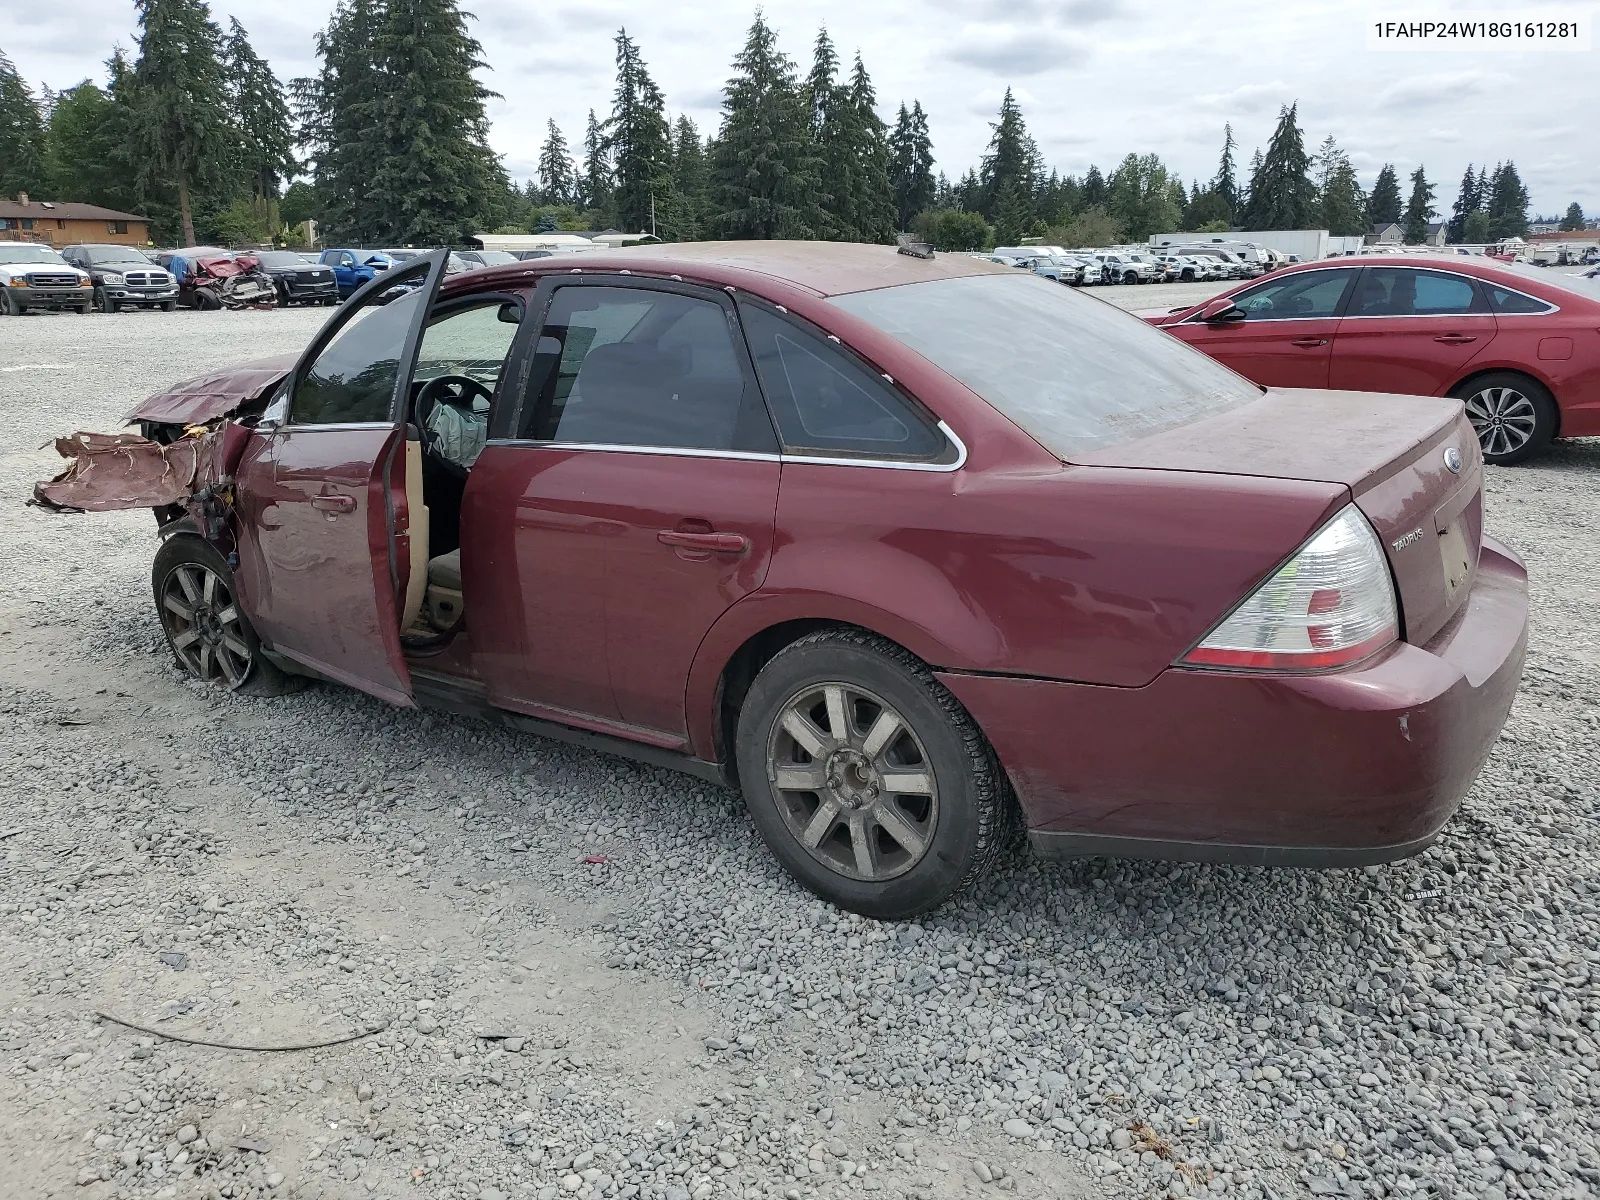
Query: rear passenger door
{"x": 626, "y": 506}
{"x": 1410, "y": 330}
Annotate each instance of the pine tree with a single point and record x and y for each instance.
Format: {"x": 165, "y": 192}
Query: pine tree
{"x": 1467, "y": 201}
{"x": 872, "y": 204}
{"x": 1225, "y": 184}
{"x": 336, "y": 114}
{"x": 831, "y": 135}
{"x": 1383, "y": 203}
{"x": 689, "y": 180}
{"x": 1507, "y": 203}
{"x": 1008, "y": 166}
{"x": 1341, "y": 207}
{"x": 180, "y": 97}
{"x": 911, "y": 164}
{"x": 1419, "y": 209}
{"x": 1094, "y": 188}
{"x": 1573, "y": 220}
{"x": 596, "y": 170}
{"x": 437, "y": 176}
{"x": 1249, "y": 188}
{"x": 1281, "y": 194}
{"x": 639, "y": 142}
{"x": 261, "y": 114}
{"x": 558, "y": 182}
{"x": 764, "y": 168}
{"x": 22, "y": 141}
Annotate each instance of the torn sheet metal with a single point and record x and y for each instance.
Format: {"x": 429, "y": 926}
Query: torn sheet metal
{"x": 111, "y": 471}
{"x": 206, "y": 397}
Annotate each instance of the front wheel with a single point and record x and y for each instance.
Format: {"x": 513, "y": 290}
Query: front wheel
{"x": 169, "y": 306}
{"x": 206, "y": 629}
{"x": 1514, "y": 417}
{"x": 206, "y": 300}
{"x": 104, "y": 302}
{"x": 866, "y": 778}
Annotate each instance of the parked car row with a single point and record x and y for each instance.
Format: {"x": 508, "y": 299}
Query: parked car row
{"x": 111, "y": 277}
{"x": 1081, "y": 268}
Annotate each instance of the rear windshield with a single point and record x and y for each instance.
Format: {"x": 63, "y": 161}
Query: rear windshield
{"x": 1076, "y": 373}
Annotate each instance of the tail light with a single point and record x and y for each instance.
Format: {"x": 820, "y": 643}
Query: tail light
{"x": 1330, "y": 605}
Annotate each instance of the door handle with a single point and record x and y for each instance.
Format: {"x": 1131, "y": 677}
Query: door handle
{"x": 1308, "y": 342}
{"x": 718, "y": 543}
{"x": 1456, "y": 339}
{"x": 334, "y": 504}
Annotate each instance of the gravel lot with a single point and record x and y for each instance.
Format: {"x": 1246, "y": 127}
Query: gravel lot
{"x": 592, "y": 980}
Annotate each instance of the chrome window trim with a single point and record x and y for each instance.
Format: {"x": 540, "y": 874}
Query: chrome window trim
{"x": 754, "y": 456}
{"x": 305, "y": 427}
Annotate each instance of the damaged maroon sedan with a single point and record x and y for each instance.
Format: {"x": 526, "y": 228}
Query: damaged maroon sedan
{"x": 885, "y": 540}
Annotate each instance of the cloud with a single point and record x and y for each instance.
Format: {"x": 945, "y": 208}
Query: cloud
{"x": 1445, "y": 87}
{"x": 1249, "y": 98}
{"x": 1093, "y": 12}
{"x": 1006, "y": 50}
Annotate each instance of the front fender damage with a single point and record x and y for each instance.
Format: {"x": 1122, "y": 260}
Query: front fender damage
{"x": 110, "y": 471}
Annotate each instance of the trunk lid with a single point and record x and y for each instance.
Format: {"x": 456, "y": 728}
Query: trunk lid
{"x": 1390, "y": 451}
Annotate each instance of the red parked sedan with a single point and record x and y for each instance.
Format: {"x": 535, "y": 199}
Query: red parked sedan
{"x": 882, "y": 540}
{"x": 1520, "y": 347}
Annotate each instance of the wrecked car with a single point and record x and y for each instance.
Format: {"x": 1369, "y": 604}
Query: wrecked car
{"x": 896, "y": 543}
{"x": 211, "y": 279}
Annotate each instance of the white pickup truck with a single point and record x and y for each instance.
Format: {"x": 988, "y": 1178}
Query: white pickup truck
{"x": 35, "y": 276}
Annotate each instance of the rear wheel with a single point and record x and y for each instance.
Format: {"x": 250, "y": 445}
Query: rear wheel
{"x": 1130, "y": 277}
{"x": 206, "y": 629}
{"x": 1515, "y": 417}
{"x": 866, "y": 778}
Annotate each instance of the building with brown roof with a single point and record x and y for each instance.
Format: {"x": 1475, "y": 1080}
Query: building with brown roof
{"x": 64, "y": 223}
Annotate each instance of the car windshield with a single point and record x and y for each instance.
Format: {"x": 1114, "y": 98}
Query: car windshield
{"x": 1077, "y": 374}
{"x": 105, "y": 255}
{"x": 281, "y": 258}
{"x": 26, "y": 252}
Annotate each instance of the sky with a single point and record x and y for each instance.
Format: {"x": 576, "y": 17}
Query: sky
{"x": 1096, "y": 79}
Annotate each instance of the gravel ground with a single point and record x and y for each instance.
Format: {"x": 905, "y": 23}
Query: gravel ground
{"x": 589, "y": 978}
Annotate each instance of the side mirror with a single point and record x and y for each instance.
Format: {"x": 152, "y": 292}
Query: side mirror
{"x": 1221, "y": 310}
{"x": 510, "y": 313}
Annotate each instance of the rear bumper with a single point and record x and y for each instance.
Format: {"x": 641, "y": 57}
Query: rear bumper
{"x": 1341, "y": 769}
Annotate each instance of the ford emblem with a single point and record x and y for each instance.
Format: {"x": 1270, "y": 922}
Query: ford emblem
{"x": 1452, "y": 460}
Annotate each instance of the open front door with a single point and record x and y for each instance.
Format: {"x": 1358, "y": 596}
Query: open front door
{"x": 323, "y": 523}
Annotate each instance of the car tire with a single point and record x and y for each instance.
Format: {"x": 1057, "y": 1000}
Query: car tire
{"x": 103, "y": 301}
{"x": 1130, "y": 277}
{"x": 209, "y": 636}
{"x": 1515, "y": 417}
{"x": 853, "y": 841}
{"x": 169, "y": 306}
{"x": 206, "y": 301}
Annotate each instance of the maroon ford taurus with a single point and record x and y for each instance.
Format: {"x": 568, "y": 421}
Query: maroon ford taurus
{"x": 883, "y": 540}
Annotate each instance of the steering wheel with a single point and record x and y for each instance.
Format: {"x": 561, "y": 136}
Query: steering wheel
{"x": 458, "y": 391}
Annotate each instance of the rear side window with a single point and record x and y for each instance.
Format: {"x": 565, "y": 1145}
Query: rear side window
{"x": 1304, "y": 295}
{"x": 1075, "y": 373}
{"x": 825, "y": 403}
{"x": 638, "y": 367}
{"x": 1504, "y": 300}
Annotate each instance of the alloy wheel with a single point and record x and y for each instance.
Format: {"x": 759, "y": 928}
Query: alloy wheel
{"x": 1503, "y": 418}
{"x": 204, "y": 625}
{"x": 854, "y": 783}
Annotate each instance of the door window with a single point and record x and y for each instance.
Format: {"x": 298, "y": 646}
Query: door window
{"x": 825, "y": 403}
{"x": 353, "y": 379}
{"x": 636, "y": 367}
{"x": 1308, "y": 294}
{"x": 1504, "y": 300}
{"x": 1405, "y": 292}
{"x": 469, "y": 341}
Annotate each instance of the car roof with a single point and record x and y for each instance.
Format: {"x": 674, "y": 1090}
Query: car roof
{"x": 823, "y": 268}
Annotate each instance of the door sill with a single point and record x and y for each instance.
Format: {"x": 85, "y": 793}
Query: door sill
{"x": 470, "y": 697}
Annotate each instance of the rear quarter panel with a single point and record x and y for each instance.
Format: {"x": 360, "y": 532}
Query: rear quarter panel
{"x": 1093, "y": 575}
